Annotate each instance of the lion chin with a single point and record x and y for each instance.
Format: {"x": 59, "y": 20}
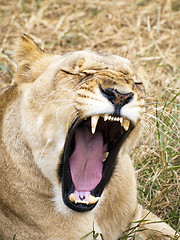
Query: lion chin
{"x": 67, "y": 125}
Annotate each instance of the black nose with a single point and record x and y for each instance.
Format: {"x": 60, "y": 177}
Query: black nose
{"x": 117, "y": 98}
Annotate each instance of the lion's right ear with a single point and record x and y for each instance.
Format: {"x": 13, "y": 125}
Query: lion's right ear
{"x": 27, "y": 54}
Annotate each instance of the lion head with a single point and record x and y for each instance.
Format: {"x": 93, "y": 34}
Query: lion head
{"x": 80, "y": 113}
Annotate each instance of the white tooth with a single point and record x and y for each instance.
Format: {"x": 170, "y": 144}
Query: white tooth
{"x": 93, "y": 199}
{"x": 72, "y": 197}
{"x": 121, "y": 119}
{"x": 81, "y": 201}
{"x": 117, "y": 119}
{"x": 126, "y": 124}
{"x": 109, "y": 117}
{"x": 94, "y": 121}
{"x": 105, "y": 117}
{"x": 105, "y": 155}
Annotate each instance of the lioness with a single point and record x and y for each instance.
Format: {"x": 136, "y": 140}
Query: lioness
{"x": 67, "y": 126}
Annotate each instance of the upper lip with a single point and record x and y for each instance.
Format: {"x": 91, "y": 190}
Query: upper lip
{"x": 114, "y": 139}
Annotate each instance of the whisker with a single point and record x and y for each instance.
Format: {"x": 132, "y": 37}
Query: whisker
{"x": 173, "y": 119}
{"x": 70, "y": 115}
{"x": 65, "y": 103}
{"x": 44, "y": 149}
{"x": 162, "y": 102}
{"x": 57, "y": 90}
{"x": 58, "y": 119}
{"x": 57, "y": 110}
{"x": 162, "y": 123}
{"x": 59, "y": 101}
{"x": 153, "y": 124}
{"x": 145, "y": 125}
{"x": 66, "y": 106}
{"x": 55, "y": 101}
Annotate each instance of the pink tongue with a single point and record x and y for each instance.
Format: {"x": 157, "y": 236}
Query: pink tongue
{"x": 86, "y": 160}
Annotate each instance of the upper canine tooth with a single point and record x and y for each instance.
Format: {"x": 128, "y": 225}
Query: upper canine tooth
{"x": 94, "y": 121}
{"x": 121, "y": 119}
{"x": 126, "y": 124}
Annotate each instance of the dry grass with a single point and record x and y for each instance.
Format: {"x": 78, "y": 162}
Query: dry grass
{"x": 145, "y": 31}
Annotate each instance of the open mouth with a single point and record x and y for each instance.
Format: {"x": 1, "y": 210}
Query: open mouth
{"x": 89, "y": 158}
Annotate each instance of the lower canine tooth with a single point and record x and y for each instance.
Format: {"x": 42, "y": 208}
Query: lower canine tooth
{"x": 94, "y": 121}
{"x": 105, "y": 155}
{"x": 72, "y": 197}
{"x": 93, "y": 199}
{"x": 126, "y": 124}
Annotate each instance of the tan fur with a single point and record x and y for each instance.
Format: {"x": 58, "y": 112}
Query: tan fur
{"x": 35, "y": 116}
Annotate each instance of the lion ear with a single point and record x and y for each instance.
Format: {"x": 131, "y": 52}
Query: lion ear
{"x": 27, "y": 54}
